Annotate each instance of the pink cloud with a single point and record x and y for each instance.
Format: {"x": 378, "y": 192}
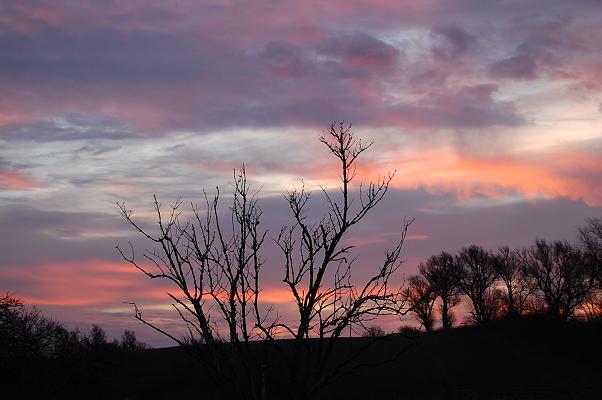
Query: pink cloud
{"x": 11, "y": 119}
{"x": 419, "y": 237}
{"x": 79, "y": 283}
{"x": 557, "y": 174}
{"x": 13, "y": 181}
{"x": 98, "y": 282}
{"x": 23, "y": 17}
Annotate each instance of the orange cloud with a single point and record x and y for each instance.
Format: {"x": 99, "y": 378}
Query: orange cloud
{"x": 573, "y": 174}
{"x": 559, "y": 174}
{"x": 79, "y": 283}
{"x": 275, "y": 295}
{"x": 95, "y": 282}
{"x": 417, "y": 237}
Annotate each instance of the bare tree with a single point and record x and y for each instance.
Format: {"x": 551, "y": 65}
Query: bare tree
{"x": 440, "y": 272}
{"x": 560, "y": 276}
{"x": 213, "y": 269}
{"x": 476, "y": 273}
{"x": 592, "y": 306}
{"x": 509, "y": 269}
{"x": 494, "y": 304}
{"x": 421, "y": 300}
{"x": 97, "y": 337}
{"x": 318, "y": 266}
{"x": 215, "y": 272}
{"x": 590, "y": 238}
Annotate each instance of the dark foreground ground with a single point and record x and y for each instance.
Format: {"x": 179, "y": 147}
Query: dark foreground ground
{"x": 507, "y": 360}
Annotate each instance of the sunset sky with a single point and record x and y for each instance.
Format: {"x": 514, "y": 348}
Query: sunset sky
{"x": 490, "y": 114}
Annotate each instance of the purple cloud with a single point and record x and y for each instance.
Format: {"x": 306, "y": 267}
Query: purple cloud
{"x": 517, "y": 67}
{"x": 454, "y": 42}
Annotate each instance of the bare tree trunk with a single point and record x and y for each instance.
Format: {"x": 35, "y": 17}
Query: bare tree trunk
{"x": 445, "y": 318}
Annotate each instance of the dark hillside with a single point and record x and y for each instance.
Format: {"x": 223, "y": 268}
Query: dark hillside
{"x": 520, "y": 359}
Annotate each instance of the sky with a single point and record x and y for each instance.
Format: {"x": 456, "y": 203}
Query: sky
{"x": 489, "y": 112}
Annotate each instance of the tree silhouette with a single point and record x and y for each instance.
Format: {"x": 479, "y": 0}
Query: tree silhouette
{"x": 475, "y": 274}
{"x": 216, "y": 276}
{"x": 130, "y": 342}
{"x": 590, "y": 238}
{"x": 214, "y": 268}
{"x": 440, "y": 272}
{"x": 97, "y": 337}
{"x": 41, "y": 358}
{"x": 421, "y": 300}
{"x": 318, "y": 268}
{"x": 25, "y": 334}
{"x": 560, "y": 276}
{"x": 509, "y": 269}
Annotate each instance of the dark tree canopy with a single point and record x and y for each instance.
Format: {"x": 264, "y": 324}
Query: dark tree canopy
{"x": 560, "y": 276}
{"x": 475, "y": 274}
{"x": 440, "y": 272}
{"x": 590, "y": 237}
{"x": 40, "y": 358}
{"x": 421, "y": 300}
{"x": 510, "y": 272}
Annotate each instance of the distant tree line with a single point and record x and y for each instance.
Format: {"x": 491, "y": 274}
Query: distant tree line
{"x": 556, "y": 278}
{"x": 40, "y": 355}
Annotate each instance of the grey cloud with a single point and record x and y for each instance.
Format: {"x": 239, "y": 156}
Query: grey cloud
{"x": 553, "y": 47}
{"x": 68, "y": 128}
{"x": 520, "y": 66}
{"x": 96, "y": 149}
{"x": 451, "y": 224}
{"x": 456, "y": 41}
{"x": 4, "y": 163}
{"x": 469, "y": 107}
{"x": 447, "y": 223}
{"x": 360, "y": 48}
{"x": 191, "y": 82}
{"x": 182, "y": 81}
{"x": 107, "y": 55}
{"x": 286, "y": 58}
{"x": 32, "y": 236}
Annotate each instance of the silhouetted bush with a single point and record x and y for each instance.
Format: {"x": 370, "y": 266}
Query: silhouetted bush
{"x": 409, "y": 331}
{"x": 40, "y": 356}
{"x": 374, "y": 331}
